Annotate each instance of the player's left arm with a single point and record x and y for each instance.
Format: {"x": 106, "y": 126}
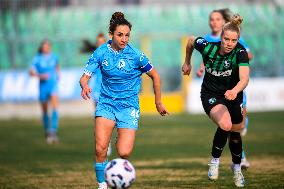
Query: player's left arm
{"x": 146, "y": 67}
{"x": 244, "y": 70}
{"x": 153, "y": 74}
{"x": 57, "y": 68}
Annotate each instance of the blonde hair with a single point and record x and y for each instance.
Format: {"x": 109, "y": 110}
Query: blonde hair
{"x": 233, "y": 25}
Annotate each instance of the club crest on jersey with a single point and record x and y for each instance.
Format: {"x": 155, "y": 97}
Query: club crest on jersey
{"x": 105, "y": 63}
{"x": 121, "y": 64}
{"x": 200, "y": 41}
{"x": 142, "y": 57}
{"x": 212, "y": 100}
{"x": 227, "y": 64}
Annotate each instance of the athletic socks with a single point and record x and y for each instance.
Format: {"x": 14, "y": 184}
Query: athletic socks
{"x": 219, "y": 142}
{"x": 45, "y": 121}
{"x": 235, "y": 144}
{"x": 54, "y": 122}
{"x": 246, "y": 122}
{"x": 99, "y": 169}
{"x": 215, "y": 160}
{"x": 236, "y": 167}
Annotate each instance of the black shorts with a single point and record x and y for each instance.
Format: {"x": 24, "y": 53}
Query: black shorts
{"x": 235, "y": 107}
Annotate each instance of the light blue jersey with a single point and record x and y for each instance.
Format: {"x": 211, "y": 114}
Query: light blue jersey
{"x": 46, "y": 64}
{"x": 97, "y": 76}
{"x": 121, "y": 71}
{"x": 121, "y": 82}
{"x": 211, "y": 38}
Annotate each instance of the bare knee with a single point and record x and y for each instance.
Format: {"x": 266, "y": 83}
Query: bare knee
{"x": 225, "y": 125}
{"x": 124, "y": 153}
{"x": 101, "y": 151}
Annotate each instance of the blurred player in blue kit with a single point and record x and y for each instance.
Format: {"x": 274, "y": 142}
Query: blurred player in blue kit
{"x": 217, "y": 19}
{"x": 46, "y": 68}
{"x": 121, "y": 66}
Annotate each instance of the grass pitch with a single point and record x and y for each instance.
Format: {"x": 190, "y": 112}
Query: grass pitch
{"x": 170, "y": 152}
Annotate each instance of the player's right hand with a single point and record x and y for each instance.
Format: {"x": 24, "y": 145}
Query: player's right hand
{"x": 186, "y": 68}
{"x": 43, "y": 76}
{"x": 85, "y": 93}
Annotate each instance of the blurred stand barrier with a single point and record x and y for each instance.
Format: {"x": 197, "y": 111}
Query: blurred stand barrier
{"x": 263, "y": 94}
{"x": 19, "y": 93}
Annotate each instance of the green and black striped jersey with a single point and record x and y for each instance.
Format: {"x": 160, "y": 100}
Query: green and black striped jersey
{"x": 222, "y": 71}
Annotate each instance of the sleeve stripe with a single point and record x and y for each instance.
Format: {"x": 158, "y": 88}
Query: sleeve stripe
{"x": 87, "y": 72}
{"x": 243, "y": 64}
{"x": 148, "y": 67}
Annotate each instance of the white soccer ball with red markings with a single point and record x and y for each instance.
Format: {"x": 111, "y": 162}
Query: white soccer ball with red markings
{"x": 119, "y": 173}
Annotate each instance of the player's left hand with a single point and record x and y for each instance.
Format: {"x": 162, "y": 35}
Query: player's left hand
{"x": 231, "y": 94}
{"x": 161, "y": 109}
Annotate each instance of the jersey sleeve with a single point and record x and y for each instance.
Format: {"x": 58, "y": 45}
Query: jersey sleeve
{"x": 242, "y": 58}
{"x": 33, "y": 65}
{"x": 93, "y": 63}
{"x": 144, "y": 63}
{"x": 200, "y": 44}
{"x": 243, "y": 43}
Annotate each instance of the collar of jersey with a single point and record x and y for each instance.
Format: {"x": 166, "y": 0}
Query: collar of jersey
{"x": 112, "y": 50}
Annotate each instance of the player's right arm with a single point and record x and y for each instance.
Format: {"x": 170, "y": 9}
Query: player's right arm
{"x": 186, "y": 67}
{"x": 34, "y": 73}
{"x": 200, "y": 45}
{"x": 90, "y": 68}
{"x": 86, "y": 90}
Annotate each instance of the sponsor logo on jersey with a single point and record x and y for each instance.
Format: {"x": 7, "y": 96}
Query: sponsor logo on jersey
{"x": 227, "y": 64}
{"x": 219, "y": 73}
{"x": 201, "y": 41}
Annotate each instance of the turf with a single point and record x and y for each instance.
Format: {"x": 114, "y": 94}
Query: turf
{"x": 170, "y": 152}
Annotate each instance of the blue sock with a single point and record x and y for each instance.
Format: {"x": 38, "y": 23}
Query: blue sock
{"x": 45, "y": 121}
{"x": 243, "y": 154}
{"x": 247, "y": 122}
{"x": 54, "y": 122}
{"x": 99, "y": 168}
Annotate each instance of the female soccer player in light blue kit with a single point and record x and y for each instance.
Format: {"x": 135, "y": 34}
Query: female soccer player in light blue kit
{"x": 217, "y": 19}
{"x": 121, "y": 66}
{"x": 45, "y": 67}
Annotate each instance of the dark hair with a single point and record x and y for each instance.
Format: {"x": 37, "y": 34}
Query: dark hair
{"x": 226, "y": 14}
{"x": 117, "y": 19}
{"x": 41, "y": 45}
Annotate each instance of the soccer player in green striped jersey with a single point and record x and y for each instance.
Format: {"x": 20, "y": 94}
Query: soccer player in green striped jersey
{"x": 227, "y": 75}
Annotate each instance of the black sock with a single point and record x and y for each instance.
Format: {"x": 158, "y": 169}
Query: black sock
{"x": 219, "y": 142}
{"x": 235, "y": 144}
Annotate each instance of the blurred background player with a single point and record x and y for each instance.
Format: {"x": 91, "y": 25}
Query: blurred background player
{"x": 227, "y": 75}
{"x": 217, "y": 19}
{"x": 88, "y": 47}
{"x": 122, "y": 66}
{"x": 45, "y": 67}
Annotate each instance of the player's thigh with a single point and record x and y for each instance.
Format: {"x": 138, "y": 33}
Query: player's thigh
{"x": 54, "y": 100}
{"x": 221, "y": 116}
{"x": 237, "y": 114}
{"x": 44, "y": 106}
{"x": 103, "y": 131}
{"x": 125, "y": 140}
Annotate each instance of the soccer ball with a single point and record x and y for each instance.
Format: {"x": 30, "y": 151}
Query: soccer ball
{"x": 119, "y": 173}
